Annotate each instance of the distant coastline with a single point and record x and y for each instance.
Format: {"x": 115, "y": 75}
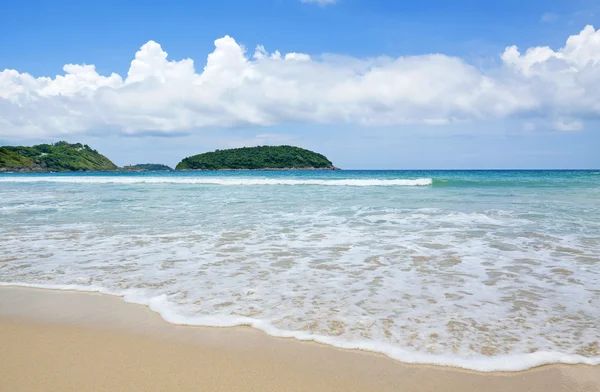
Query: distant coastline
{"x": 63, "y": 157}
{"x": 136, "y": 170}
{"x": 265, "y": 169}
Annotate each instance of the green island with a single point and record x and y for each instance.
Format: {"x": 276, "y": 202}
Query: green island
{"x": 57, "y": 157}
{"x": 66, "y": 157}
{"x": 147, "y": 167}
{"x": 258, "y": 158}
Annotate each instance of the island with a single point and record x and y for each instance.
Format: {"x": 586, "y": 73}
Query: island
{"x": 57, "y": 157}
{"x": 258, "y": 158}
{"x": 147, "y": 167}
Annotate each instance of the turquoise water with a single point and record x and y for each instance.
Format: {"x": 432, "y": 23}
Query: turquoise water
{"x": 487, "y": 270}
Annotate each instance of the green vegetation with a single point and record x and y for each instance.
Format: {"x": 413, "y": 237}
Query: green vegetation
{"x": 148, "y": 167}
{"x": 10, "y": 159}
{"x": 60, "y": 156}
{"x": 263, "y": 157}
{"x": 63, "y": 157}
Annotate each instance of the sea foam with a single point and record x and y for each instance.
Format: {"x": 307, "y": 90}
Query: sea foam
{"x": 485, "y": 278}
{"x": 503, "y": 363}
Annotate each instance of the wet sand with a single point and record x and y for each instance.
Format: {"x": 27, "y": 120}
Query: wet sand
{"x": 70, "y": 341}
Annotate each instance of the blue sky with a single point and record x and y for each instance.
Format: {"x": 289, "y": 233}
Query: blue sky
{"x": 353, "y": 45}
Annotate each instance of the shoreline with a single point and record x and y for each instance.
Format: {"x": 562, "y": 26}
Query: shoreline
{"x": 265, "y": 169}
{"x": 248, "y": 357}
{"x": 483, "y": 365}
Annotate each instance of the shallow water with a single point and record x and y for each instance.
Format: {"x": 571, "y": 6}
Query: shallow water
{"x": 484, "y": 270}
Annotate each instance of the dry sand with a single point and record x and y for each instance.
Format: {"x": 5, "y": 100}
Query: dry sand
{"x": 66, "y": 341}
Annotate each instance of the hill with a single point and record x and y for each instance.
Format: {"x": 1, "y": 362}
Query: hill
{"x": 59, "y": 157}
{"x": 256, "y": 158}
{"x": 147, "y": 167}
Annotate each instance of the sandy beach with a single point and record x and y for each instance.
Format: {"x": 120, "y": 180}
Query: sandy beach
{"x": 71, "y": 341}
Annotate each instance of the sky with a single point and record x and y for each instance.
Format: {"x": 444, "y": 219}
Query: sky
{"x": 376, "y": 84}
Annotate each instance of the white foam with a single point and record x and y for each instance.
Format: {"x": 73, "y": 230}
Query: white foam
{"x": 216, "y": 181}
{"x": 502, "y": 363}
{"x": 445, "y": 277}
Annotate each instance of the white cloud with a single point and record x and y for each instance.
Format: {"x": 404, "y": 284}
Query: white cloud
{"x": 235, "y": 88}
{"x": 565, "y": 125}
{"x": 320, "y": 2}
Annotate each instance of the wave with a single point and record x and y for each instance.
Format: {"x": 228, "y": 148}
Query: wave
{"x": 501, "y": 363}
{"x": 220, "y": 181}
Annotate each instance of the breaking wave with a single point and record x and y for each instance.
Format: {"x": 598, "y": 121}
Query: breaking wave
{"x": 221, "y": 181}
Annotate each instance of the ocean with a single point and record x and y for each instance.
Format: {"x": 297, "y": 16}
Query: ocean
{"x": 484, "y": 270}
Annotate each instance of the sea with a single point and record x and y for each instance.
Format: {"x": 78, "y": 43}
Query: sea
{"x": 482, "y": 270}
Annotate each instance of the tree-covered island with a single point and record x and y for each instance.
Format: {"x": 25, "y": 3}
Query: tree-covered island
{"x": 147, "y": 167}
{"x": 258, "y": 158}
{"x": 66, "y": 157}
{"x": 57, "y": 157}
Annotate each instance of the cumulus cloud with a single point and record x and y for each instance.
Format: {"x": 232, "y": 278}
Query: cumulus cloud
{"x": 236, "y": 88}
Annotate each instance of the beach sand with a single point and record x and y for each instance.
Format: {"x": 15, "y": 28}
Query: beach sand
{"x": 71, "y": 341}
